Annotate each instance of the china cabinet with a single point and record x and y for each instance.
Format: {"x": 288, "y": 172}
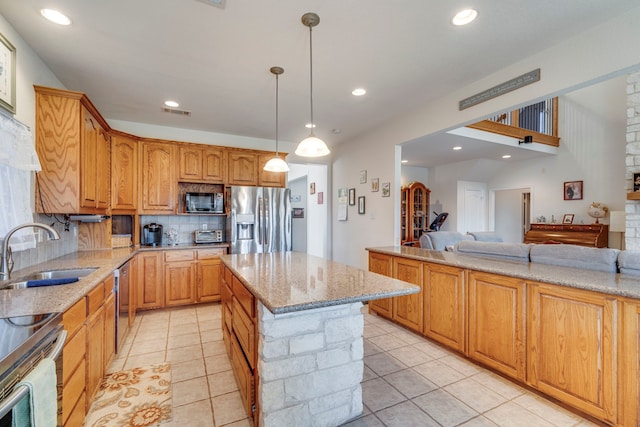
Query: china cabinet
{"x": 414, "y": 211}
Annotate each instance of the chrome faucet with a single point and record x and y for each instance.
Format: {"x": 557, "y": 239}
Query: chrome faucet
{"x": 5, "y": 269}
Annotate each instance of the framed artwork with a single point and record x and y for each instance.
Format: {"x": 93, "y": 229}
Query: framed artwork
{"x": 361, "y": 205}
{"x": 343, "y": 195}
{"x": 312, "y": 188}
{"x": 352, "y": 197}
{"x": 7, "y": 75}
{"x": 636, "y": 182}
{"x": 298, "y": 212}
{"x": 567, "y": 219}
{"x": 320, "y": 197}
{"x": 386, "y": 189}
{"x": 375, "y": 184}
{"x": 363, "y": 177}
{"x": 573, "y": 190}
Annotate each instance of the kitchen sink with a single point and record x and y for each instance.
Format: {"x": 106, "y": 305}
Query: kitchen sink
{"x": 50, "y": 277}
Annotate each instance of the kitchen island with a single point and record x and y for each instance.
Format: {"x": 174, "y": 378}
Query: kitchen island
{"x": 293, "y": 327}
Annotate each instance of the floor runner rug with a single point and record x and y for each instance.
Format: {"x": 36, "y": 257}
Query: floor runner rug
{"x": 138, "y": 397}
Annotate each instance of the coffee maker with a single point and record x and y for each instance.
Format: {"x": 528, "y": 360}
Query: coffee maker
{"x": 152, "y": 234}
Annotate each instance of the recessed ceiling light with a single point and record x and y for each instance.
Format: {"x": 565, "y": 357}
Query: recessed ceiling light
{"x": 55, "y": 16}
{"x": 506, "y": 156}
{"x": 457, "y": 148}
{"x": 404, "y": 161}
{"x": 464, "y": 17}
{"x": 172, "y": 104}
{"x": 358, "y": 92}
{"x": 309, "y": 125}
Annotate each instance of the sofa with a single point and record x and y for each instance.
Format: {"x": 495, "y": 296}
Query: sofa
{"x": 442, "y": 240}
{"x": 495, "y": 250}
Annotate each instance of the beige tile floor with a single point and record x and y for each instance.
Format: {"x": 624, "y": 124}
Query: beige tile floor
{"x": 408, "y": 381}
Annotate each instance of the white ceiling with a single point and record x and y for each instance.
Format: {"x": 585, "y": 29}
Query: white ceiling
{"x": 131, "y": 55}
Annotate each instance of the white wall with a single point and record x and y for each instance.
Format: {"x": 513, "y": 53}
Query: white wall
{"x": 564, "y": 67}
{"x": 414, "y": 173}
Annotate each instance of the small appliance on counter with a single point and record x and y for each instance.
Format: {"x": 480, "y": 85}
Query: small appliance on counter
{"x": 152, "y": 234}
{"x": 208, "y": 236}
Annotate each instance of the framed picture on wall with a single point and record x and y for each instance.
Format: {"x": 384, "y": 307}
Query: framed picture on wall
{"x": 636, "y": 182}
{"x": 361, "y": 205}
{"x": 386, "y": 189}
{"x": 567, "y": 219}
{"x": 375, "y": 184}
{"x": 7, "y": 75}
{"x": 573, "y": 190}
{"x": 352, "y": 197}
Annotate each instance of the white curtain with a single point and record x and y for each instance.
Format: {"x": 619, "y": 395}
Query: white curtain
{"x": 18, "y": 159}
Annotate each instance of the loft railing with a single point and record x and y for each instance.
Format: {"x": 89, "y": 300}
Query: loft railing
{"x": 539, "y": 120}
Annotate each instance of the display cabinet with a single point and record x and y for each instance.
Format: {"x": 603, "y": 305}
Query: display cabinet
{"x": 414, "y": 211}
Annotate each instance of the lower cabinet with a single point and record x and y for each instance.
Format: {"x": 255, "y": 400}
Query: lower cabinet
{"x": 73, "y": 365}
{"x": 109, "y": 328}
{"x": 208, "y": 270}
{"x": 95, "y": 355}
{"x": 571, "y": 347}
{"x": 496, "y": 335}
{"x": 444, "y": 305}
{"x": 150, "y": 283}
{"x": 629, "y": 368}
{"x": 407, "y": 310}
{"x": 179, "y": 277}
{"x": 381, "y": 264}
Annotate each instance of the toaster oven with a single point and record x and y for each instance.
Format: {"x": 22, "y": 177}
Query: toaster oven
{"x": 208, "y": 236}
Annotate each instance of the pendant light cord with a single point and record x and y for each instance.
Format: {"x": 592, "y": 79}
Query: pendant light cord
{"x": 311, "y": 76}
{"x": 277, "y": 115}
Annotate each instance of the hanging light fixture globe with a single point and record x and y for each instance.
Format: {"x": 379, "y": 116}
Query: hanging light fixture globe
{"x": 311, "y": 146}
{"x": 276, "y": 164}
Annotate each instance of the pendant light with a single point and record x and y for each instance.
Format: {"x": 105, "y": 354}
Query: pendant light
{"x": 276, "y": 164}
{"x": 311, "y": 146}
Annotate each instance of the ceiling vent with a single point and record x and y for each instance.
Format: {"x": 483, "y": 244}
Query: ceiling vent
{"x": 217, "y": 3}
{"x": 176, "y": 111}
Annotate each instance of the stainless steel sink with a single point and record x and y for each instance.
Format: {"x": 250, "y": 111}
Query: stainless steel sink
{"x": 60, "y": 274}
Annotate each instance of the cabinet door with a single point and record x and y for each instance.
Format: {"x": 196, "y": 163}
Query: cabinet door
{"x": 109, "y": 328}
{"x": 150, "y": 283}
{"x": 190, "y": 163}
{"x": 270, "y": 179}
{"x": 214, "y": 165}
{"x": 444, "y": 305}
{"x": 179, "y": 281}
{"x": 89, "y": 160}
{"x": 571, "y": 342}
{"x": 243, "y": 168}
{"x": 629, "y": 368}
{"x": 102, "y": 169}
{"x": 95, "y": 352}
{"x": 208, "y": 279}
{"x": 124, "y": 173}
{"x": 158, "y": 178}
{"x": 407, "y": 310}
{"x": 381, "y": 264}
{"x": 497, "y": 322}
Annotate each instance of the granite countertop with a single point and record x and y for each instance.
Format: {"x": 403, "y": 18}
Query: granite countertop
{"x": 293, "y": 281}
{"x": 608, "y": 283}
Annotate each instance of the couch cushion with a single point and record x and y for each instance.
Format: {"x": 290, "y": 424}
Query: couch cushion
{"x": 497, "y": 250}
{"x": 440, "y": 240}
{"x": 629, "y": 262}
{"x": 485, "y": 236}
{"x": 586, "y": 258}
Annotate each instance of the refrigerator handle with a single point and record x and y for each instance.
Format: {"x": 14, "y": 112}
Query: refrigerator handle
{"x": 259, "y": 231}
{"x": 233, "y": 226}
{"x": 265, "y": 217}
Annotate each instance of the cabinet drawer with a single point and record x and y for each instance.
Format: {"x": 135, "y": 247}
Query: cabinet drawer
{"x": 76, "y": 418}
{"x": 73, "y": 354}
{"x": 210, "y": 253}
{"x": 245, "y": 298}
{"x": 178, "y": 256}
{"x": 243, "y": 374}
{"x": 73, "y": 392}
{"x": 74, "y": 317}
{"x": 227, "y": 315}
{"x": 245, "y": 331}
{"x": 228, "y": 276}
{"x": 95, "y": 299}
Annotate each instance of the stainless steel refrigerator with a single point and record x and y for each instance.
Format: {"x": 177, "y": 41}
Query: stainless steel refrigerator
{"x": 259, "y": 220}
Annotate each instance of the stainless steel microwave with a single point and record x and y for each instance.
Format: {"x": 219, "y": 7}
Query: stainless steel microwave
{"x": 204, "y": 202}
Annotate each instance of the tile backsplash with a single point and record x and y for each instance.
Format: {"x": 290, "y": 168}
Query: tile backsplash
{"x": 185, "y": 225}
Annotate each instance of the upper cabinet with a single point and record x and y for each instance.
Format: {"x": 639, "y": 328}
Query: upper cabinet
{"x": 124, "y": 172}
{"x": 270, "y": 179}
{"x": 159, "y": 185}
{"x": 70, "y": 138}
{"x": 198, "y": 163}
{"x": 243, "y": 168}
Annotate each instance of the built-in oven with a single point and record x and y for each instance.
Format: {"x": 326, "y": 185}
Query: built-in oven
{"x": 24, "y": 342}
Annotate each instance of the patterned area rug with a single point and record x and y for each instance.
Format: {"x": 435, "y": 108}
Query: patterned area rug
{"x": 138, "y": 397}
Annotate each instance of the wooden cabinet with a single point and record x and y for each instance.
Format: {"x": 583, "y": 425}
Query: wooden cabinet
{"x": 179, "y": 277}
{"x": 70, "y": 138}
{"x": 73, "y": 365}
{"x": 243, "y": 168}
{"x": 208, "y": 273}
{"x": 109, "y": 328}
{"x": 497, "y": 322}
{"x": 381, "y": 264}
{"x": 158, "y": 181}
{"x": 150, "y": 280}
{"x": 571, "y": 347}
{"x": 124, "y": 173}
{"x": 270, "y": 179}
{"x": 407, "y": 310}
{"x": 414, "y": 211}
{"x": 629, "y": 367}
{"x": 444, "y": 305}
{"x": 95, "y": 339}
{"x": 593, "y": 235}
{"x": 199, "y": 163}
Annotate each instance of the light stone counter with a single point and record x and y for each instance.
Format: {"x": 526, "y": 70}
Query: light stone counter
{"x": 292, "y": 281}
{"x": 608, "y": 283}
